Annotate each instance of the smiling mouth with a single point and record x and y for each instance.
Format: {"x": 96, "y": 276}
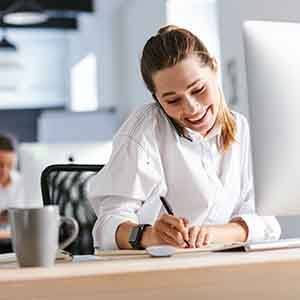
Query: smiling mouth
{"x": 199, "y": 120}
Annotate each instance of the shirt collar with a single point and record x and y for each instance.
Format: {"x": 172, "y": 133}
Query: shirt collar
{"x": 194, "y": 135}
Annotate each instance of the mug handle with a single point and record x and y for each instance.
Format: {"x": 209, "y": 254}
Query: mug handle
{"x": 74, "y": 232}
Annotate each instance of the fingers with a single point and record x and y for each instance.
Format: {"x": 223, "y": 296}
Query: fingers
{"x": 199, "y": 236}
{"x": 207, "y": 239}
{"x": 185, "y": 221}
{"x": 179, "y": 224}
{"x": 171, "y": 230}
{"x": 168, "y": 239}
{"x": 169, "y": 234}
{"x": 174, "y": 231}
{"x": 193, "y": 232}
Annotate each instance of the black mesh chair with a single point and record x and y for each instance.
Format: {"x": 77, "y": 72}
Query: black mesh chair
{"x": 65, "y": 185}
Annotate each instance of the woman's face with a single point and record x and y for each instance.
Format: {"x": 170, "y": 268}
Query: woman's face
{"x": 189, "y": 94}
{"x": 8, "y": 161}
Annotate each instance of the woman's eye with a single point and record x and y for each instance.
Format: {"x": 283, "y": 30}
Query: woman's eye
{"x": 174, "y": 101}
{"x": 199, "y": 91}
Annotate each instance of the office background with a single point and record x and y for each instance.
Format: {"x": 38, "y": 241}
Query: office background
{"x": 83, "y": 81}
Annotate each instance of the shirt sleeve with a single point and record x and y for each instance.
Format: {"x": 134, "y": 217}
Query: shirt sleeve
{"x": 117, "y": 193}
{"x": 259, "y": 227}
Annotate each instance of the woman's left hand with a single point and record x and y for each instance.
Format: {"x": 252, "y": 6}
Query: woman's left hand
{"x": 234, "y": 231}
{"x": 199, "y": 236}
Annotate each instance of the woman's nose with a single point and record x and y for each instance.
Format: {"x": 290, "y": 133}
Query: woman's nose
{"x": 191, "y": 105}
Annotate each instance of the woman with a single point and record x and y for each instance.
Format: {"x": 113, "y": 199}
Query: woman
{"x": 189, "y": 148}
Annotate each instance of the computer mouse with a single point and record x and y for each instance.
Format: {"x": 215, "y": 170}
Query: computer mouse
{"x": 161, "y": 250}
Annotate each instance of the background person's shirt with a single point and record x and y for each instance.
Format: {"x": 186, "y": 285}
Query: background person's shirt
{"x": 150, "y": 160}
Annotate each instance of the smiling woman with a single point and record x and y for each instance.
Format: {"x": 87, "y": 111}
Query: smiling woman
{"x": 189, "y": 148}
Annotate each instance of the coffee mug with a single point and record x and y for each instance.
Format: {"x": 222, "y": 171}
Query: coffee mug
{"x": 35, "y": 234}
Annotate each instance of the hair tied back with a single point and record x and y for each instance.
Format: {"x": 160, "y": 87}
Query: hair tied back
{"x": 167, "y": 28}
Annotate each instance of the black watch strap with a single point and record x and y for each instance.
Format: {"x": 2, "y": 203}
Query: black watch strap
{"x": 136, "y": 235}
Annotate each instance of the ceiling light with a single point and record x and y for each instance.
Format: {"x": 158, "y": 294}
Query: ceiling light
{"x": 25, "y": 12}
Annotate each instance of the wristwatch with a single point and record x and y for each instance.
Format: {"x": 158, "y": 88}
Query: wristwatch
{"x": 136, "y": 235}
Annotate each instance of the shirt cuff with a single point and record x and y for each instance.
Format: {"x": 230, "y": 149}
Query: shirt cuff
{"x": 105, "y": 232}
{"x": 261, "y": 227}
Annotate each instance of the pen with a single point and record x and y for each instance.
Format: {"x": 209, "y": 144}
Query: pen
{"x": 170, "y": 211}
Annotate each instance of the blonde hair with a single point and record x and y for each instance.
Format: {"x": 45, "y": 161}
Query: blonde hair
{"x": 227, "y": 122}
{"x": 170, "y": 46}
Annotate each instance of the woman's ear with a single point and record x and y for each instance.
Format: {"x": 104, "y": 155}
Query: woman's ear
{"x": 214, "y": 64}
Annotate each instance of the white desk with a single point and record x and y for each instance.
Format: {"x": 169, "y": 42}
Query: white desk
{"x": 263, "y": 275}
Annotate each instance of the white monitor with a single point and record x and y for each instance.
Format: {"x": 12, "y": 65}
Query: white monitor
{"x": 272, "y": 52}
{"x": 34, "y": 157}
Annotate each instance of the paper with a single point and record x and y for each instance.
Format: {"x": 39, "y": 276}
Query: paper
{"x": 210, "y": 248}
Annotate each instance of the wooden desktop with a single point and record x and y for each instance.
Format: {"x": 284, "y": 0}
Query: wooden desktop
{"x": 220, "y": 275}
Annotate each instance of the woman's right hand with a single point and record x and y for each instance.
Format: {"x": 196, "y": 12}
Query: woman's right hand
{"x": 167, "y": 229}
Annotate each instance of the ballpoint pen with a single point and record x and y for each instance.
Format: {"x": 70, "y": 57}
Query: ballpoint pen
{"x": 170, "y": 211}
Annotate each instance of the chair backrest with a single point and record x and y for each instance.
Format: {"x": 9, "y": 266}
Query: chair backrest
{"x": 65, "y": 185}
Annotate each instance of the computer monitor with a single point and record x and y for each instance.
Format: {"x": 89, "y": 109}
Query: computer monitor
{"x": 34, "y": 157}
{"x": 272, "y": 51}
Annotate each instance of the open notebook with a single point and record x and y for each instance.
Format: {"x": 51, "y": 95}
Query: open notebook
{"x": 210, "y": 248}
{"x": 245, "y": 247}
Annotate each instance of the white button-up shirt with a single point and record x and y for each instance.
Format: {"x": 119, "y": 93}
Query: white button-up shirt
{"x": 150, "y": 160}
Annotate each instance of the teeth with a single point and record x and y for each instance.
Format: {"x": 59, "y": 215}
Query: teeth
{"x": 194, "y": 120}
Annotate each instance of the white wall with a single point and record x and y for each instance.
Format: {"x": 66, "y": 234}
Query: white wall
{"x": 198, "y": 16}
{"x": 231, "y": 15}
{"x": 98, "y": 34}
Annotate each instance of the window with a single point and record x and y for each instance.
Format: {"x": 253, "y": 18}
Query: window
{"x": 84, "y": 84}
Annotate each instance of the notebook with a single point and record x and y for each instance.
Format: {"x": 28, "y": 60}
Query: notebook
{"x": 130, "y": 252}
{"x": 243, "y": 247}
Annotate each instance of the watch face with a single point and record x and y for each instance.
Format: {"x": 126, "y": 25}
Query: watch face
{"x": 136, "y": 236}
{"x": 133, "y": 234}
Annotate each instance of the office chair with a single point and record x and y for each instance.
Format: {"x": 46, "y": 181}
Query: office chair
{"x": 65, "y": 185}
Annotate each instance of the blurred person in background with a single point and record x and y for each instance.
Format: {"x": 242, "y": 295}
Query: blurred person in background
{"x": 11, "y": 186}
